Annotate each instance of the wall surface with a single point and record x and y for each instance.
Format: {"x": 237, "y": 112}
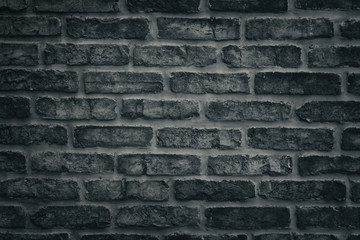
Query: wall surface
{"x": 179, "y": 119}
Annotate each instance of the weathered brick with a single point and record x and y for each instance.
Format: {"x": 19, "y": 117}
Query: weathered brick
{"x": 40, "y": 80}
{"x": 152, "y": 56}
{"x": 333, "y": 56}
{"x": 273, "y": 236}
{"x": 245, "y": 6}
{"x": 147, "y": 190}
{"x": 201, "y": 83}
{"x": 174, "y": 6}
{"x": 14, "y": 107}
{"x": 179, "y": 236}
{"x": 32, "y": 134}
{"x": 153, "y": 109}
{"x": 238, "y": 165}
{"x": 295, "y": 139}
{"x": 314, "y": 237}
{"x": 41, "y": 189}
{"x": 350, "y": 139}
{"x": 30, "y": 26}
{"x": 328, "y": 217}
{"x": 317, "y": 165}
{"x": 329, "y": 112}
{"x": 303, "y": 190}
{"x": 82, "y": 6}
{"x": 327, "y": 4}
{"x": 12, "y": 217}
{"x": 350, "y": 28}
{"x": 297, "y": 83}
{"x": 50, "y": 162}
{"x": 353, "y": 83}
{"x": 96, "y": 136}
{"x": 113, "y": 28}
{"x": 72, "y": 217}
{"x": 19, "y": 54}
{"x": 283, "y": 28}
{"x": 123, "y": 82}
{"x": 157, "y": 217}
{"x": 355, "y": 191}
{"x": 24, "y": 236}
{"x": 158, "y": 164}
{"x": 199, "y": 138}
{"x": 252, "y": 111}
{"x": 86, "y": 54}
{"x": 12, "y": 162}
{"x": 353, "y": 237}
{"x": 261, "y": 56}
{"x": 214, "y": 190}
{"x": 247, "y": 217}
{"x": 13, "y": 5}
{"x": 105, "y": 190}
{"x": 199, "y": 28}
{"x": 118, "y": 237}
{"x": 76, "y": 108}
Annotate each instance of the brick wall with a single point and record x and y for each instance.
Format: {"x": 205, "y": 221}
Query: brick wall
{"x": 179, "y": 119}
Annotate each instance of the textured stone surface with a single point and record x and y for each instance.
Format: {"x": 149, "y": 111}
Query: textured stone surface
{"x": 14, "y": 107}
{"x": 174, "y": 6}
{"x": 353, "y": 83}
{"x": 82, "y": 6}
{"x": 355, "y": 191}
{"x": 351, "y": 139}
{"x": 105, "y": 190}
{"x": 147, "y": 190}
{"x": 249, "y": 6}
{"x": 334, "y": 56}
{"x": 350, "y": 28}
{"x": 19, "y": 54}
{"x": 14, "y": 5}
{"x": 12, "y": 162}
{"x": 327, "y": 4}
{"x": 12, "y": 217}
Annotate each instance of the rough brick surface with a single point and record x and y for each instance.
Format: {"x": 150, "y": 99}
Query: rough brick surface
{"x": 19, "y": 54}
{"x": 354, "y": 83}
{"x": 118, "y": 237}
{"x": 351, "y": 139}
{"x": 334, "y": 56}
{"x": 147, "y": 191}
{"x": 324, "y": 4}
{"x": 14, "y": 107}
{"x": 175, "y": 6}
{"x": 101, "y": 6}
{"x": 11, "y": 236}
{"x": 12, "y": 217}
{"x": 252, "y": 6}
{"x": 35, "y": 26}
{"x": 105, "y": 190}
{"x": 12, "y": 162}
{"x": 355, "y": 191}
{"x": 15, "y": 5}
{"x": 350, "y": 29}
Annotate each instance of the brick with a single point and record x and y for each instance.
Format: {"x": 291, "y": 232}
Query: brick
{"x": 19, "y": 54}
{"x": 174, "y": 6}
{"x": 245, "y": 6}
{"x": 295, "y": 139}
{"x": 199, "y": 28}
{"x": 113, "y": 28}
{"x": 35, "y": 26}
{"x": 328, "y": 217}
{"x": 179, "y": 236}
{"x": 355, "y": 191}
{"x": 297, "y": 83}
{"x": 13, "y": 5}
{"x": 153, "y": 109}
{"x": 350, "y": 29}
{"x": 216, "y": 83}
{"x": 261, "y": 56}
{"x": 12, "y": 217}
{"x": 351, "y": 139}
{"x": 273, "y": 236}
{"x": 82, "y": 6}
{"x": 251, "y": 111}
{"x": 105, "y": 190}
{"x": 353, "y": 83}
{"x": 75, "y": 108}
{"x": 50, "y": 162}
{"x": 71, "y": 217}
{"x": 118, "y": 237}
{"x": 329, "y": 111}
{"x": 40, "y": 189}
{"x": 238, "y": 165}
{"x": 303, "y": 190}
{"x": 86, "y": 54}
{"x": 314, "y": 237}
{"x": 122, "y": 82}
{"x": 96, "y": 136}
{"x": 33, "y": 134}
{"x": 14, "y": 107}
{"x": 158, "y": 165}
{"x": 40, "y": 80}
{"x": 327, "y": 4}
{"x": 198, "y": 138}
{"x": 318, "y": 165}
{"x": 20, "y": 236}
{"x": 333, "y": 57}
{"x": 293, "y": 29}
{"x": 353, "y": 237}
{"x": 185, "y": 55}
{"x": 213, "y": 190}
{"x": 147, "y": 190}
{"x": 12, "y": 162}
{"x": 157, "y": 217}
{"x": 246, "y": 218}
